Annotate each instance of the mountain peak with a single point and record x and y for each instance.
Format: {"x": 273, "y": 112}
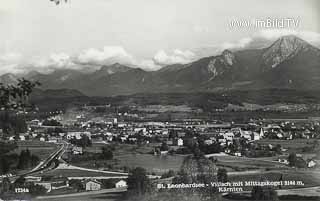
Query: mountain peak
{"x": 8, "y": 78}
{"x": 284, "y": 48}
{"x": 228, "y": 57}
{"x": 117, "y": 65}
{"x": 292, "y": 40}
{"x": 226, "y": 51}
{"x": 114, "y": 68}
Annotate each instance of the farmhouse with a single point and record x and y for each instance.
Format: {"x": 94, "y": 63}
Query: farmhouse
{"x": 93, "y": 185}
{"x": 77, "y": 150}
{"x": 121, "y": 184}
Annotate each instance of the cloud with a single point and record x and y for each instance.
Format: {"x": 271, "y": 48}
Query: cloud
{"x": 242, "y": 43}
{"x": 148, "y": 65}
{"x": 265, "y": 38}
{"x": 108, "y": 55}
{"x": 9, "y": 63}
{"x": 56, "y": 60}
{"x": 92, "y": 59}
{"x": 177, "y": 56}
{"x": 50, "y": 63}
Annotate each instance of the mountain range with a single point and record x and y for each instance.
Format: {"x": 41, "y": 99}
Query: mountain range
{"x": 288, "y": 63}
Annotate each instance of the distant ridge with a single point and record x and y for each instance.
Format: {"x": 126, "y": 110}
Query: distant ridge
{"x": 288, "y": 63}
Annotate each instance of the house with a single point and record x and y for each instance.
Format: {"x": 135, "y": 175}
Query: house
{"x": 133, "y": 139}
{"x": 228, "y": 136}
{"x": 46, "y": 184}
{"x": 53, "y": 183}
{"x": 222, "y": 141}
{"x": 181, "y": 134}
{"x": 208, "y": 142}
{"x": 255, "y": 136}
{"x": 78, "y": 135}
{"x": 93, "y": 185}
{"x": 22, "y": 137}
{"x": 245, "y": 134}
{"x": 121, "y": 184}
{"x": 77, "y": 150}
{"x": 53, "y": 139}
{"x": 178, "y": 142}
{"x": 164, "y": 152}
{"x": 283, "y": 160}
{"x": 42, "y": 139}
{"x": 311, "y": 163}
{"x": 237, "y": 154}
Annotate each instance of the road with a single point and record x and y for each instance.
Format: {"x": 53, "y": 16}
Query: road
{"x": 48, "y": 164}
{"x": 103, "y": 191}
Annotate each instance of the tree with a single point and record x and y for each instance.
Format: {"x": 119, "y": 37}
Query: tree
{"x": 4, "y": 166}
{"x": 84, "y": 142}
{"x": 292, "y": 159}
{"x": 51, "y": 122}
{"x": 138, "y": 181}
{"x": 222, "y": 175}
{"x": 76, "y": 184}
{"x": 36, "y": 190}
{"x": 164, "y": 147}
{"x": 264, "y": 193}
{"x": 107, "y": 153}
{"x": 5, "y": 185}
{"x": 20, "y": 181}
{"x": 14, "y": 98}
{"x": 27, "y": 160}
{"x": 57, "y": 2}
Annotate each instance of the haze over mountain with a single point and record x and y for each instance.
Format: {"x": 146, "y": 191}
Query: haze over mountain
{"x": 289, "y": 62}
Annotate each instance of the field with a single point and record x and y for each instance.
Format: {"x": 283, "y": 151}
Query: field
{"x": 288, "y": 144}
{"x": 133, "y": 156}
{"x": 77, "y": 173}
{"x": 156, "y": 164}
{"x": 40, "y": 149}
{"x": 121, "y": 149}
{"x": 101, "y": 197}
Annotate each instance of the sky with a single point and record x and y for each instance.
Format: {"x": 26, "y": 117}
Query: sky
{"x": 85, "y": 34}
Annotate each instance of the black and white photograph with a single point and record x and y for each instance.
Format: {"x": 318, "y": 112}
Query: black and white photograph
{"x": 159, "y": 100}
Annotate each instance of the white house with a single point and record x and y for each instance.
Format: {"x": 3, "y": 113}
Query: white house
{"x": 311, "y": 163}
{"x": 208, "y": 142}
{"x": 179, "y": 142}
{"x": 78, "y": 135}
{"x": 77, "y": 150}
{"x": 228, "y": 136}
{"x": 93, "y": 185}
{"x": 121, "y": 184}
{"x": 22, "y": 137}
{"x": 283, "y": 160}
{"x": 53, "y": 140}
{"x": 237, "y": 154}
{"x": 256, "y": 136}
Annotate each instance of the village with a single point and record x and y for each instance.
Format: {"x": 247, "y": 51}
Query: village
{"x": 90, "y": 147}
